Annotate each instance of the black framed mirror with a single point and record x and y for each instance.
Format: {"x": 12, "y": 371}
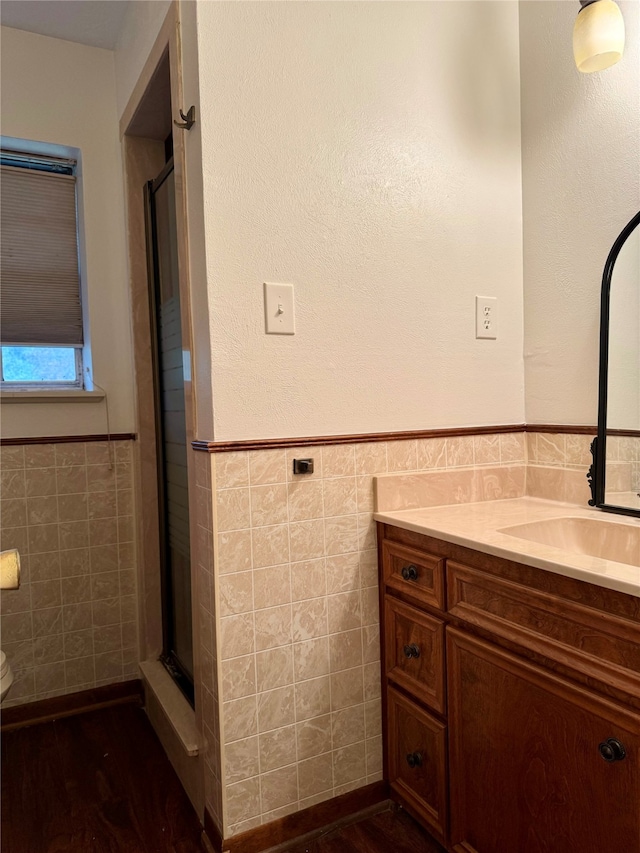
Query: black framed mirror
{"x": 615, "y": 474}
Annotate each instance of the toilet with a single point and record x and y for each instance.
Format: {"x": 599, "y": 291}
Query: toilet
{"x": 6, "y": 676}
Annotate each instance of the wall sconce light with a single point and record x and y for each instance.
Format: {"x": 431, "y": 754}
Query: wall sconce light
{"x": 598, "y": 35}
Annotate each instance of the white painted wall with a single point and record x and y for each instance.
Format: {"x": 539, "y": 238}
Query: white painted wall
{"x": 200, "y": 308}
{"x": 581, "y": 185}
{"x": 63, "y": 93}
{"x": 623, "y": 404}
{"x": 370, "y": 154}
{"x": 140, "y": 29}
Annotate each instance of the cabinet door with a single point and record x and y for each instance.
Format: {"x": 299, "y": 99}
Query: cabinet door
{"x": 526, "y": 769}
{"x": 417, "y": 760}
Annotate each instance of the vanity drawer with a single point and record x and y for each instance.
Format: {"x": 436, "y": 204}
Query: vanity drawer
{"x": 414, "y": 657}
{"x": 414, "y": 573}
{"x": 417, "y": 764}
{"x": 604, "y": 647}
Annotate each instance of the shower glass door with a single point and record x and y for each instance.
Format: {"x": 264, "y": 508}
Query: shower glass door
{"x": 171, "y": 431}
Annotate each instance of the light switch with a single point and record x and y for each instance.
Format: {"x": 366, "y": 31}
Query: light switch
{"x": 278, "y": 309}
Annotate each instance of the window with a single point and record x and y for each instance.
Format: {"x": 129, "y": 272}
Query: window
{"x": 41, "y": 334}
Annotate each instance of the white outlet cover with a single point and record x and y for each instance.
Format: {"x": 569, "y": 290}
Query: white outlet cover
{"x": 278, "y": 309}
{"x": 487, "y": 317}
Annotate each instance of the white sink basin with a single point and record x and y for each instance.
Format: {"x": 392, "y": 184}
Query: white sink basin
{"x": 591, "y": 536}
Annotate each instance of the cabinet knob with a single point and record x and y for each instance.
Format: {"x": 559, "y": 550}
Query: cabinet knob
{"x": 612, "y": 750}
{"x": 414, "y": 759}
{"x": 412, "y": 651}
{"x": 410, "y": 573}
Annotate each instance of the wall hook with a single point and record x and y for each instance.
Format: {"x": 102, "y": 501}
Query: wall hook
{"x": 189, "y": 119}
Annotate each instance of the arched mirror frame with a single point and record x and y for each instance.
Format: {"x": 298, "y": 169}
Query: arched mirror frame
{"x": 597, "y": 474}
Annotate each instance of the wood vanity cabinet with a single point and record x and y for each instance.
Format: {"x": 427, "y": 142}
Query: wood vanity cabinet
{"x": 511, "y": 701}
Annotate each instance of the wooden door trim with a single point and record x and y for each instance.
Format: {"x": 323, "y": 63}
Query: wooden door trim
{"x": 148, "y": 70}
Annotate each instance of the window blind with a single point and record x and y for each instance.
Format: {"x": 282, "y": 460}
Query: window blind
{"x": 40, "y": 284}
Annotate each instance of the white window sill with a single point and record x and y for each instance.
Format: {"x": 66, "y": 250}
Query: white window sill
{"x": 51, "y": 395}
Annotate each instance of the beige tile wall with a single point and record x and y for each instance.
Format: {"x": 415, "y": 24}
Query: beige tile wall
{"x": 572, "y": 453}
{"x": 558, "y": 450}
{"x": 289, "y": 655}
{"x": 206, "y": 676}
{"x": 557, "y": 466}
{"x": 623, "y": 463}
{"x": 296, "y": 581}
{"x": 68, "y": 509}
{"x": 420, "y": 489}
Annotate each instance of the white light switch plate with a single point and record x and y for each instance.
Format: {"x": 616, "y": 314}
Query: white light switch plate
{"x": 278, "y": 309}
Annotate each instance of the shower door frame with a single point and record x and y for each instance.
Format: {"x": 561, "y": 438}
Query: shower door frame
{"x": 169, "y": 657}
{"x": 144, "y": 154}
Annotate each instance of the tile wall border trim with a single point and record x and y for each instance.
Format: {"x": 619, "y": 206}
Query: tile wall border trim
{"x": 67, "y": 439}
{"x": 562, "y": 429}
{"x": 579, "y": 430}
{"x": 304, "y": 825}
{"x": 362, "y": 438}
{"x": 71, "y": 704}
{"x": 356, "y": 438}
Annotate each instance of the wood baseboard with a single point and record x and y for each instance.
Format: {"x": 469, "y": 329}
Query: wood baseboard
{"x": 45, "y": 710}
{"x": 303, "y": 825}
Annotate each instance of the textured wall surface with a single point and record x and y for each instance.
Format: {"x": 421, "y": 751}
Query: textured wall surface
{"x": 57, "y": 92}
{"x": 581, "y": 185}
{"x": 68, "y": 509}
{"x": 370, "y": 154}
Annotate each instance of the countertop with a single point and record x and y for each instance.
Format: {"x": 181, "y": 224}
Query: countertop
{"x": 477, "y": 526}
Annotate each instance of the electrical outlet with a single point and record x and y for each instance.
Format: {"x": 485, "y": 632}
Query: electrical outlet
{"x": 486, "y": 317}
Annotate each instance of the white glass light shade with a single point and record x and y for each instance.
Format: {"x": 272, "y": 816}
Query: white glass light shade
{"x": 598, "y": 36}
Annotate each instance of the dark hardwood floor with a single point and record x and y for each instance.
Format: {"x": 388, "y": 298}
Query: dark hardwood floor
{"x": 100, "y": 782}
{"x": 388, "y": 832}
{"x": 95, "y": 783}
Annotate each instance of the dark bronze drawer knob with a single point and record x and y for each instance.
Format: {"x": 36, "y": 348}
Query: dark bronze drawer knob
{"x": 410, "y": 573}
{"x": 412, "y": 651}
{"x": 414, "y": 759}
{"x": 612, "y": 750}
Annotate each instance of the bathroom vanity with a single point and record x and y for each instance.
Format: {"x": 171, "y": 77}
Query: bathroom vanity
{"x": 511, "y": 676}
